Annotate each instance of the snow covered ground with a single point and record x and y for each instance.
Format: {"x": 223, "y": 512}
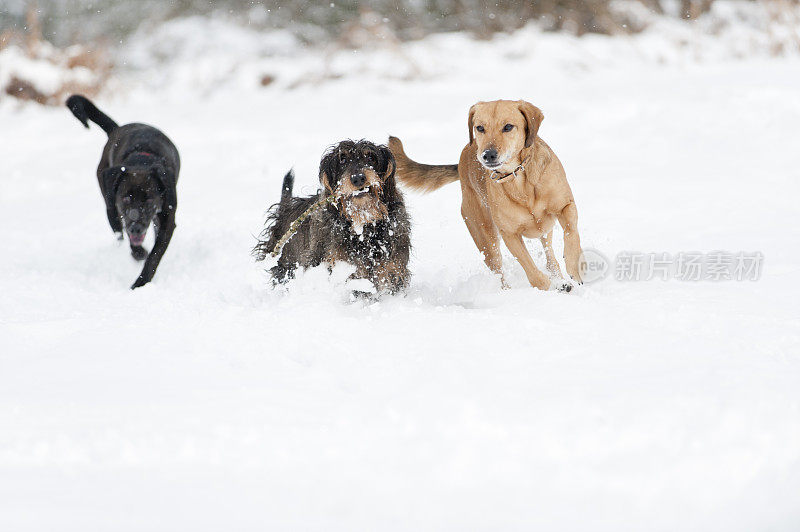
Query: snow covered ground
{"x": 206, "y": 401}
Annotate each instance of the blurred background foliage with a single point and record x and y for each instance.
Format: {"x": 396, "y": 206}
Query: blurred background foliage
{"x": 64, "y": 22}
{"x": 51, "y": 48}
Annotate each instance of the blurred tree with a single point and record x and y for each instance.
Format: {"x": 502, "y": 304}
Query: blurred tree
{"x": 66, "y": 21}
{"x": 691, "y": 9}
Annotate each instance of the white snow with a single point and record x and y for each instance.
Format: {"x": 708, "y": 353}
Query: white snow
{"x": 207, "y": 401}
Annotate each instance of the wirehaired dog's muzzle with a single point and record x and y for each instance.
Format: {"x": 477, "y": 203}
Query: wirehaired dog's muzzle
{"x": 358, "y": 179}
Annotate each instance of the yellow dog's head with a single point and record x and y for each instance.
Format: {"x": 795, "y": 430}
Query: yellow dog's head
{"x": 502, "y": 130}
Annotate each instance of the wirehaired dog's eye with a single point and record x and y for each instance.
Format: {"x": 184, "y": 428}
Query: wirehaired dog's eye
{"x": 508, "y": 127}
{"x": 127, "y": 200}
{"x": 479, "y": 129}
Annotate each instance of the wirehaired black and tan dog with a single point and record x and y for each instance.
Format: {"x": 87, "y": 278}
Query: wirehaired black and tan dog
{"x": 358, "y": 216}
{"x": 137, "y": 173}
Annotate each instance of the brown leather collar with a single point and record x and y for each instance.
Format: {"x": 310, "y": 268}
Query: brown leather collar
{"x": 494, "y": 176}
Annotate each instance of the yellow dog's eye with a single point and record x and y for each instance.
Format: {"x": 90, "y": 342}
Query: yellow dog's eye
{"x": 479, "y": 129}
{"x": 507, "y": 128}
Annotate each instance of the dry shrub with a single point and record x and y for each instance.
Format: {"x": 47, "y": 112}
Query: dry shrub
{"x": 784, "y": 21}
{"x": 7, "y": 37}
{"x": 33, "y": 37}
{"x": 92, "y": 59}
{"x": 692, "y": 9}
{"x": 68, "y": 61}
{"x": 24, "y": 90}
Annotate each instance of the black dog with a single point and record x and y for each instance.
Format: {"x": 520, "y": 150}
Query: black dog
{"x": 137, "y": 173}
{"x": 361, "y": 219}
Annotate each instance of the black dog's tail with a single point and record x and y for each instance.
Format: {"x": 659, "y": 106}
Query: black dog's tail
{"x": 84, "y": 110}
{"x": 288, "y": 185}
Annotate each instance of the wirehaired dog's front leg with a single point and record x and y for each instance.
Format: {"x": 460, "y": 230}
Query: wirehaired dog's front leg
{"x": 282, "y": 273}
{"x": 361, "y": 274}
{"x": 391, "y": 276}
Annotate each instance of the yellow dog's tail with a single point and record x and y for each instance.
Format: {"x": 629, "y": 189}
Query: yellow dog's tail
{"x": 425, "y": 177}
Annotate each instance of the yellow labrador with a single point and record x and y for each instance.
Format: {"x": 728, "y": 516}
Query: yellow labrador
{"x": 511, "y": 183}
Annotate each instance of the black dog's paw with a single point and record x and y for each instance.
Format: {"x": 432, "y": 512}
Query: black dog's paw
{"x": 141, "y": 281}
{"x": 138, "y": 252}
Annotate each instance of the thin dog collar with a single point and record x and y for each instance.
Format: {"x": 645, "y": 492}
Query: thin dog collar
{"x": 513, "y": 172}
{"x": 500, "y": 178}
{"x": 141, "y": 153}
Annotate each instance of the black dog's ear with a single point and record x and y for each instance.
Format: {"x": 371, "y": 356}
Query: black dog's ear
{"x": 111, "y": 177}
{"x": 166, "y": 185}
{"x": 387, "y": 169}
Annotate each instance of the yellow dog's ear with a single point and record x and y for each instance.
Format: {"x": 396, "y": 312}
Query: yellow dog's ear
{"x": 469, "y": 122}
{"x": 533, "y": 119}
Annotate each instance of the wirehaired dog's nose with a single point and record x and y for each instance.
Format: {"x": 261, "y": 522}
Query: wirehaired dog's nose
{"x": 358, "y": 180}
{"x": 490, "y": 156}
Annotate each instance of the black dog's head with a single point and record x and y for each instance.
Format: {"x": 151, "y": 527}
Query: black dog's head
{"x": 361, "y": 175}
{"x": 138, "y": 193}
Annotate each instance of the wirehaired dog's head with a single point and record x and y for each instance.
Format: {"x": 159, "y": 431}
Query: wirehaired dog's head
{"x": 361, "y": 175}
{"x": 358, "y": 217}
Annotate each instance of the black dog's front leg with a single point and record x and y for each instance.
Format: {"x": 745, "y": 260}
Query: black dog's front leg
{"x": 114, "y": 222}
{"x": 166, "y": 227}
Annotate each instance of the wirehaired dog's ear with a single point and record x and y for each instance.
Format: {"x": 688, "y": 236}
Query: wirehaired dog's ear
{"x": 387, "y": 170}
{"x": 161, "y": 175}
{"x": 325, "y": 181}
{"x": 387, "y": 164}
{"x": 327, "y": 168}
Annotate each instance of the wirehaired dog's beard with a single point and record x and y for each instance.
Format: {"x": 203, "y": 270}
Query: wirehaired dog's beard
{"x": 363, "y": 209}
